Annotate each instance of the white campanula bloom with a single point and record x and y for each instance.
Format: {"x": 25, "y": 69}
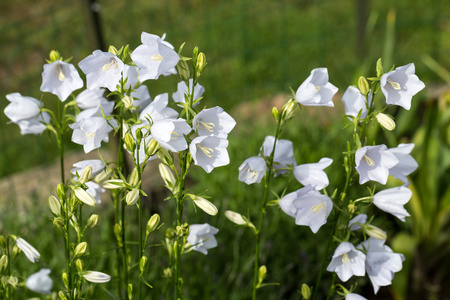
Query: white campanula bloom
{"x": 347, "y": 261}
{"x": 201, "y": 237}
{"x": 30, "y": 252}
{"x": 392, "y": 201}
{"x": 209, "y": 152}
{"x": 131, "y": 73}
{"x": 354, "y": 102}
{"x": 252, "y": 170}
{"x": 316, "y": 90}
{"x": 141, "y": 97}
{"x": 96, "y": 277}
{"x": 179, "y": 95}
{"x": 381, "y": 262}
{"x": 353, "y": 223}
{"x": 40, "y": 282}
{"x": 91, "y": 132}
{"x": 283, "y": 156}
{"x": 313, "y": 174}
{"x": 60, "y": 78}
{"x": 97, "y": 166}
{"x": 308, "y": 206}
{"x": 213, "y": 121}
{"x": 102, "y": 69}
{"x": 158, "y": 110}
{"x": 154, "y": 57}
{"x": 95, "y": 190}
{"x": 24, "y": 111}
{"x": 353, "y": 296}
{"x": 406, "y": 163}
{"x": 170, "y": 134}
{"x": 373, "y": 163}
{"x": 400, "y": 85}
{"x": 92, "y": 102}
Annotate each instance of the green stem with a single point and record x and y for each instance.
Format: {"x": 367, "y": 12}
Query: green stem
{"x": 141, "y": 246}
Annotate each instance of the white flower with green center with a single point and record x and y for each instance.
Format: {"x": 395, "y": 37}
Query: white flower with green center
{"x": 170, "y": 134}
{"x": 313, "y": 174}
{"x": 406, "y": 163}
{"x": 400, "y": 85}
{"x": 252, "y": 170}
{"x": 214, "y": 121}
{"x": 102, "y": 69}
{"x": 91, "y": 132}
{"x": 154, "y": 57}
{"x": 308, "y": 206}
{"x": 373, "y": 163}
{"x": 30, "y": 252}
{"x": 392, "y": 201}
{"x": 283, "y": 156}
{"x": 158, "y": 110}
{"x": 180, "y": 95}
{"x": 201, "y": 237}
{"x": 209, "y": 152}
{"x": 60, "y": 78}
{"x": 354, "y": 102}
{"x": 40, "y": 282}
{"x": 316, "y": 90}
{"x": 347, "y": 261}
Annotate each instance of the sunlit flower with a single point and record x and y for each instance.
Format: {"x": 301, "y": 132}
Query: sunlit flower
{"x": 373, "y": 163}
{"x": 381, "y": 262}
{"x": 252, "y": 170}
{"x": 170, "y": 134}
{"x": 102, "y": 69}
{"x": 209, "y": 152}
{"x": 354, "y": 102}
{"x": 92, "y": 103}
{"x": 406, "y": 163}
{"x": 313, "y": 174}
{"x": 96, "y": 277}
{"x": 40, "y": 282}
{"x": 347, "y": 261}
{"x": 30, "y": 252}
{"x": 283, "y": 156}
{"x": 392, "y": 201}
{"x": 179, "y": 95}
{"x": 308, "y": 206}
{"x": 201, "y": 237}
{"x": 316, "y": 90}
{"x": 213, "y": 121}
{"x": 60, "y": 78}
{"x": 158, "y": 110}
{"x": 91, "y": 132}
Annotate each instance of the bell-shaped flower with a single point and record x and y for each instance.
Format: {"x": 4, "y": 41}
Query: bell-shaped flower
{"x": 209, "y": 152}
{"x": 158, "y": 110}
{"x": 97, "y": 166}
{"x": 24, "y": 111}
{"x": 313, "y": 174}
{"x": 353, "y": 296}
{"x": 154, "y": 57}
{"x": 201, "y": 237}
{"x": 170, "y": 134}
{"x": 381, "y": 262}
{"x": 354, "y": 102}
{"x": 392, "y": 201}
{"x": 91, "y": 132}
{"x": 213, "y": 121}
{"x": 60, "y": 78}
{"x": 30, "y": 252}
{"x": 347, "y": 261}
{"x": 316, "y": 90}
{"x": 406, "y": 163}
{"x": 308, "y": 206}
{"x": 283, "y": 156}
{"x": 131, "y": 74}
{"x": 400, "y": 85}
{"x": 252, "y": 170}
{"x": 179, "y": 95}
{"x": 354, "y": 224}
{"x": 40, "y": 282}
{"x": 102, "y": 69}
{"x": 92, "y": 103}
{"x": 95, "y": 190}
{"x": 141, "y": 97}
{"x": 373, "y": 163}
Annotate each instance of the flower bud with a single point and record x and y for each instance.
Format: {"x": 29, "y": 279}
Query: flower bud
{"x": 54, "y": 204}
{"x": 183, "y": 70}
{"x": 128, "y": 101}
{"x": 79, "y": 264}
{"x": 113, "y": 184}
{"x": 58, "y": 222}
{"x": 138, "y": 135}
{"x": 195, "y": 52}
{"x": 167, "y": 175}
{"x": 152, "y": 147}
{"x": 96, "y": 277}
{"x": 275, "y": 113}
{"x": 132, "y": 197}
{"x": 54, "y": 56}
{"x": 2, "y": 242}
{"x": 13, "y": 281}
{"x": 80, "y": 249}
{"x": 92, "y": 221}
{"x": 3, "y": 262}
{"x": 118, "y": 232}
{"x": 386, "y": 121}
{"x": 130, "y": 145}
{"x": 352, "y": 208}
{"x": 61, "y": 191}
{"x": 62, "y": 296}
{"x": 112, "y": 49}
{"x": 363, "y": 85}
{"x": 235, "y": 217}
{"x": 65, "y": 279}
{"x": 85, "y": 174}
{"x": 130, "y": 291}
{"x": 201, "y": 62}
{"x": 306, "y": 291}
{"x": 84, "y": 197}
{"x": 205, "y": 205}
{"x": 143, "y": 264}
{"x": 125, "y": 128}
{"x": 164, "y": 156}
{"x": 288, "y": 109}
{"x": 152, "y": 223}
{"x": 133, "y": 180}
{"x": 180, "y": 231}
{"x": 103, "y": 175}
{"x": 375, "y": 232}
{"x": 262, "y": 272}
{"x": 380, "y": 70}
{"x": 167, "y": 273}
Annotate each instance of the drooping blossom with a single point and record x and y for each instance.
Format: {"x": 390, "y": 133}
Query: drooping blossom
{"x": 179, "y": 95}
{"x": 353, "y": 223}
{"x": 308, "y": 206}
{"x": 170, "y": 134}
{"x": 40, "y": 282}
{"x": 347, "y": 261}
{"x": 373, "y": 163}
{"x": 154, "y": 57}
{"x": 91, "y": 132}
{"x": 213, "y": 121}
{"x": 354, "y": 102}
{"x": 313, "y": 174}
{"x": 392, "y": 201}
{"x": 209, "y": 152}
{"x": 406, "y": 163}
{"x": 283, "y": 156}
{"x": 60, "y": 78}
{"x": 201, "y": 237}
{"x": 381, "y": 262}
{"x": 252, "y": 170}
{"x": 30, "y": 252}
{"x": 24, "y": 111}
{"x": 158, "y": 110}
{"x": 102, "y": 69}
{"x": 92, "y": 103}
{"x": 400, "y": 85}
{"x": 316, "y": 90}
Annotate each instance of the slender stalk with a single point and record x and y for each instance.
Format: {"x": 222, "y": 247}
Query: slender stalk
{"x": 141, "y": 245}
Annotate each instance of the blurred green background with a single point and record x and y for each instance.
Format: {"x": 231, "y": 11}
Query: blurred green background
{"x": 255, "y": 50}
